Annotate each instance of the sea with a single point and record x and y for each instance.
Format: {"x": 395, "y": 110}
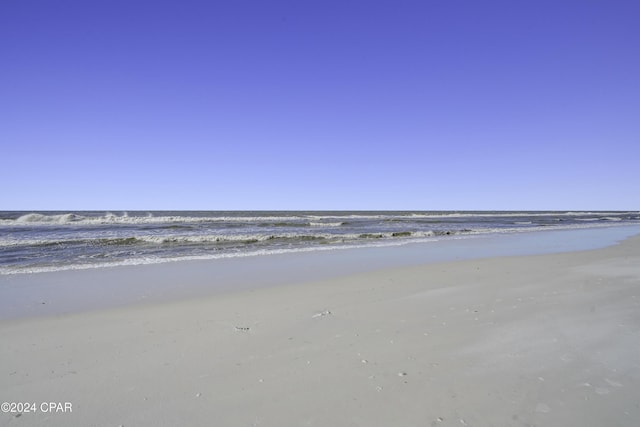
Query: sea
{"x": 32, "y": 242}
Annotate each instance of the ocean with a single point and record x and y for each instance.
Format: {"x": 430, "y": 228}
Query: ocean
{"x": 32, "y": 242}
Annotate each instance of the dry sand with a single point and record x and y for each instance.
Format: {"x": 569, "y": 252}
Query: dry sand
{"x": 545, "y": 340}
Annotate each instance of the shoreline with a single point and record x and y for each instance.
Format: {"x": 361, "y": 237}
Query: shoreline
{"x": 87, "y": 240}
{"x": 546, "y": 339}
{"x": 69, "y": 291}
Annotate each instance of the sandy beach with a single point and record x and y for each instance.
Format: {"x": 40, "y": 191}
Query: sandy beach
{"x": 534, "y": 340}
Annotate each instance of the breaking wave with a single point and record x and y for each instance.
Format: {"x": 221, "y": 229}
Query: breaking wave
{"x": 291, "y": 220}
{"x": 31, "y": 240}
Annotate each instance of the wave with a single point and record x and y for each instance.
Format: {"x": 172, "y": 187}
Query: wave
{"x": 34, "y": 219}
{"x": 110, "y": 218}
{"x": 48, "y": 219}
{"x": 301, "y": 224}
{"x": 147, "y": 260}
{"x": 283, "y": 245}
{"x": 283, "y": 224}
{"x": 294, "y": 220}
{"x": 284, "y": 237}
{"x": 69, "y": 242}
{"x": 216, "y": 239}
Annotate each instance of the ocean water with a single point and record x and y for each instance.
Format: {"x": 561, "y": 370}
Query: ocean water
{"x": 33, "y": 242}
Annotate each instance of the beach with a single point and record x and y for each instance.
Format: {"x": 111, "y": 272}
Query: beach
{"x": 501, "y": 337}
{"x": 319, "y": 213}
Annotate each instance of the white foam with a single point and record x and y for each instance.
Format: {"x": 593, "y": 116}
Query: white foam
{"x": 315, "y": 220}
{"x": 35, "y": 218}
{"x": 110, "y": 218}
{"x": 157, "y": 260}
{"x": 423, "y": 237}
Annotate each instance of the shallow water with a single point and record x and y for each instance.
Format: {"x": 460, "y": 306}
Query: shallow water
{"x": 33, "y": 242}
{"x": 52, "y": 293}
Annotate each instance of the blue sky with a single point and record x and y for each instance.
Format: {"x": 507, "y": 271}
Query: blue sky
{"x": 319, "y": 104}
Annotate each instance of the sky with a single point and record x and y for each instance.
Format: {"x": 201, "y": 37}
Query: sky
{"x": 319, "y": 104}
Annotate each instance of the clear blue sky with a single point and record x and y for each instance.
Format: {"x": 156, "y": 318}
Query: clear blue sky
{"x": 317, "y": 104}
